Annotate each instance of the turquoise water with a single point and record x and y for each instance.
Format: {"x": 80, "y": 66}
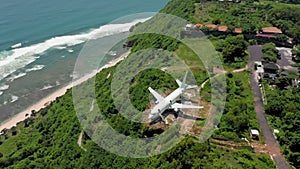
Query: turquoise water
{"x": 40, "y": 41}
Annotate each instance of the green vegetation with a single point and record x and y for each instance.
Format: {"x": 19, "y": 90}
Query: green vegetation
{"x": 234, "y": 48}
{"x": 49, "y": 140}
{"x": 239, "y": 116}
{"x": 284, "y": 114}
{"x": 269, "y": 52}
{"x": 251, "y": 16}
{"x": 184, "y": 9}
{"x": 146, "y": 41}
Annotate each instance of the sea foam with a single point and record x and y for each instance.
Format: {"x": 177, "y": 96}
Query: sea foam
{"x": 35, "y": 68}
{"x": 14, "y": 77}
{"x": 14, "y": 98}
{"x": 4, "y": 87}
{"x": 10, "y": 61}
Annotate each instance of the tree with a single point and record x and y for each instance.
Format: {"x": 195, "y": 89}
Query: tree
{"x": 234, "y": 47}
{"x": 269, "y": 52}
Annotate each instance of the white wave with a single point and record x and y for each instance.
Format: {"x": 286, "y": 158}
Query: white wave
{"x": 14, "y": 77}
{"x": 16, "y": 45}
{"x": 47, "y": 87}
{"x": 35, "y": 68}
{"x": 57, "y": 83}
{"x": 14, "y": 98}
{"x": 70, "y": 50}
{"x": 23, "y": 56}
{"x": 4, "y": 87}
{"x": 1, "y": 93}
{"x": 60, "y": 47}
{"x": 5, "y": 102}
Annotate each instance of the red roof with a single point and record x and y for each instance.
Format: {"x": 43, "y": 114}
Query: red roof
{"x": 238, "y": 30}
{"x": 199, "y": 25}
{"x": 223, "y": 28}
{"x": 271, "y": 30}
{"x": 212, "y": 26}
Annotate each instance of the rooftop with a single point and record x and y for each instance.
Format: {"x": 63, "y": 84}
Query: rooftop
{"x": 212, "y": 26}
{"x": 199, "y": 25}
{"x": 271, "y": 30}
{"x": 223, "y": 28}
{"x": 238, "y": 30}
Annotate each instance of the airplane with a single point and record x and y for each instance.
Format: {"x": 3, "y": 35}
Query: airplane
{"x": 169, "y": 102}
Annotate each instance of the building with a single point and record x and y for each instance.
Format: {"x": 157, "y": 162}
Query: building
{"x": 270, "y": 70}
{"x": 199, "y": 25}
{"x": 238, "y": 30}
{"x": 223, "y": 28}
{"x": 271, "y": 30}
{"x": 211, "y": 26}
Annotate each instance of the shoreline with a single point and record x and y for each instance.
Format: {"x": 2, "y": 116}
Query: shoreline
{"x": 11, "y": 122}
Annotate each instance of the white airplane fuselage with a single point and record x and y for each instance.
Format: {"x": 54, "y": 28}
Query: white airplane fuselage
{"x": 165, "y": 104}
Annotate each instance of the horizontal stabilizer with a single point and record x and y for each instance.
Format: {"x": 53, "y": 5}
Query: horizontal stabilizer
{"x": 191, "y": 87}
{"x": 185, "y": 106}
{"x": 178, "y": 82}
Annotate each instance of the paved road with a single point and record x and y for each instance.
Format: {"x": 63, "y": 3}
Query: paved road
{"x": 286, "y": 59}
{"x": 272, "y": 146}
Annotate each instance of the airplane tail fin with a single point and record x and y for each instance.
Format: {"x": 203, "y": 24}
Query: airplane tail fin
{"x": 183, "y": 83}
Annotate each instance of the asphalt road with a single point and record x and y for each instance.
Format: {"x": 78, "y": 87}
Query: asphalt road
{"x": 272, "y": 146}
{"x": 286, "y": 60}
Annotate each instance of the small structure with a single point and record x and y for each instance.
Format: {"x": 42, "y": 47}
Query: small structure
{"x": 211, "y": 26}
{"x": 223, "y": 28}
{"x": 254, "y": 134}
{"x": 199, "y": 25}
{"x": 238, "y": 30}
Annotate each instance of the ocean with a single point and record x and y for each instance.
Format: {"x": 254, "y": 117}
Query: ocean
{"x": 40, "y": 42}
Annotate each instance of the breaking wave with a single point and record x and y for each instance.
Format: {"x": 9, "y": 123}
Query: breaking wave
{"x": 14, "y": 98}
{"x": 17, "y": 58}
{"x": 4, "y": 87}
{"x": 14, "y": 77}
{"x": 35, "y": 68}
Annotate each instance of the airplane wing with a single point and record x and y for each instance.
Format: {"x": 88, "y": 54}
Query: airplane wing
{"x": 157, "y": 96}
{"x": 185, "y": 106}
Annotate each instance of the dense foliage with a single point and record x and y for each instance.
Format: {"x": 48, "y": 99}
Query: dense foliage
{"x": 239, "y": 116}
{"x": 49, "y": 140}
{"x": 184, "y": 9}
{"x": 269, "y": 52}
{"x": 251, "y": 16}
{"x": 284, "y": 110}
{"x": 234, "y": 48}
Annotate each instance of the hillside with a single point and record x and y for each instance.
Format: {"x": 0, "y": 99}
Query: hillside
{"x": 51, "y": 137}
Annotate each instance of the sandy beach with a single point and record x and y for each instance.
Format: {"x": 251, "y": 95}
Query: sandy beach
{"x": 45, "y": 101}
